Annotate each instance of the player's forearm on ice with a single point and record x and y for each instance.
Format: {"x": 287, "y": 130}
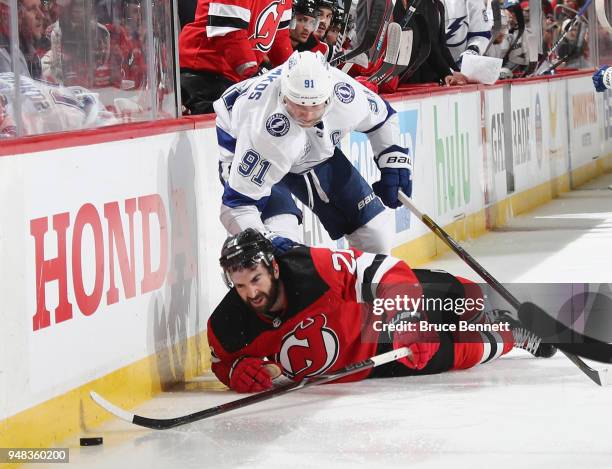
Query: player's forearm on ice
{"x": 237, "y": 219}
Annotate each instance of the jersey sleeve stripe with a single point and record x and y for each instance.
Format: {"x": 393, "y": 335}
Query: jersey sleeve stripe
{"x": 221, "y": 26}
{"x": 368, "y": 278}
{"x": 387, "y": 264}
{"x": 363, "y": 262}
{"x": 225, "y": 140}
{"x": 229, "y": 11}
{"x": 493, "y": 346}
{"x": 232, "y": 199}
{"x": 284, "y": 25}
{"x": 370, "y": 270}
{"x": 485, "y": 34}
{"x": 390, "y": 112}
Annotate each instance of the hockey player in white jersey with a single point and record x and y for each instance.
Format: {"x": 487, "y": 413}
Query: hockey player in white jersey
{"x": 48, "y": 108}
{"x": 278, "y": 135}
{"x": 468, "y": 26}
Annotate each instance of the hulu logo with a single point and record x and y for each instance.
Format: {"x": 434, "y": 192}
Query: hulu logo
{"x": 452, "y": 165}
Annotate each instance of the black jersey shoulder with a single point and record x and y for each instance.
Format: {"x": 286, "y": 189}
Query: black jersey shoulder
{"x": 236, "y": 326}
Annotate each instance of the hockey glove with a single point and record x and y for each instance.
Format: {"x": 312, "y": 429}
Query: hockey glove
{"x": 422, "y": 344}
{"x": 602, "y": 78}
{"x": 391, "y": 180}
{"x": 249, "y": 374}
{"x": 280, "y": 243}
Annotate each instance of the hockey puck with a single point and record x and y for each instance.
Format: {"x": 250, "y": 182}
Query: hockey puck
{"x": 92, "y": 441}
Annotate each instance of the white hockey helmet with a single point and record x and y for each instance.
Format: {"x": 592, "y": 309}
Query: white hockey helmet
{"x": 306, "y": 79}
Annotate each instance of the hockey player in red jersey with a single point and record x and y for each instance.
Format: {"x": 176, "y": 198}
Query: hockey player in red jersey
{"x": 226, "y": 43}
{"x": 303, "y": 25}
{"x": 316, "y": 310}
{"x": 325, "y": 13}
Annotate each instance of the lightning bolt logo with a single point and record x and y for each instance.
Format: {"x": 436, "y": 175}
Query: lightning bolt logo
{"x": 454, "y": 27}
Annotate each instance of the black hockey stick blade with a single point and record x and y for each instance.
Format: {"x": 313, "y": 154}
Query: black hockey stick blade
{"x": 164, "y": 424}
{"x": 394, "y": 35}
{"x": 598, "y": 376}
{"x": 377, "y": 49}
{"x": 563, "y": 337}
{"x": 371, "y": 25}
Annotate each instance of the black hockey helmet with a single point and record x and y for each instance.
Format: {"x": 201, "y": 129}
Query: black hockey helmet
{"x": 339, "y": 18}
{"x": 306, "y": 7}
{"x": 245, "y": 250}
{"x": 331, "y": 4}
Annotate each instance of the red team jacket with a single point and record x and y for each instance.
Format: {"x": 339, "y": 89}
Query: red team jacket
{"x": 327, "y": 325}
{"x": 229, "y": 36}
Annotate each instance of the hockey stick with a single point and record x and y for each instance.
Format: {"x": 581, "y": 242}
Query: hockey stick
{"x": 361, "y": 60}
{"x": 497, "y": 26}
{"x": 403, "y": 60}
{"x": 520, "y": 19}
{"x": 377, "y": 49}
{"x": 342, "y": 36}
{"x": 163, "y": 424}
{"x": 572, "y": 53}
{"x": 422, "y": 53}
{"x": 524, "y": 309}
{"x": 394, "y": 36}
{"x": 372, "y": 29}
{"x": 578, "y": 16}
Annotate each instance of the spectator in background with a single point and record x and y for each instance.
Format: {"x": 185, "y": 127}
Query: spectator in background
{"x": 325, "y": 13}
{"x": 468, "y": 27}
{"x": 429, "y": 26}
{"x": 573, "y": 47}
{"x": 80, "y": 49}
{"x": 127, "y": 39}
{"x": 336, "y": 27}
{"x": 30, "y": 18}
{"x": 227, "y": 43}
{"x": 49, "y": 108}
{"x": 7, "y": 123}
{"x": 516, "y": 56}
{"x": 303, "y": 25}
{"x": 501, "y": 43}
{"x": 550, "y": 33}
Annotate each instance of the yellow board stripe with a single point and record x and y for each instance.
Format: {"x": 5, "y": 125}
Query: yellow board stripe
{"x": 74, "y": 413}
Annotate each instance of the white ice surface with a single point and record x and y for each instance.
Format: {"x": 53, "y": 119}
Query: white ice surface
{"x": 517, "y": 412}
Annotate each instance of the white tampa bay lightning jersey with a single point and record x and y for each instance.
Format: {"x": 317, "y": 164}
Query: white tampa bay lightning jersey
{"x": 468, "y": 25}
{"x": 46, "y": 107}
{"x": 263, "y": 143}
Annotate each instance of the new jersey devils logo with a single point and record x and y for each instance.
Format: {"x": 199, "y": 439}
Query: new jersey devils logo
{"x": 266, "y": 25}
{"x": 309, "y": 349}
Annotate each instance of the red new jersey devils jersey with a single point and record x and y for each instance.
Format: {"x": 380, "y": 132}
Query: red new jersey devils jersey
{"x": 328, "y": 323}
{"x": 229, "y": 36}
